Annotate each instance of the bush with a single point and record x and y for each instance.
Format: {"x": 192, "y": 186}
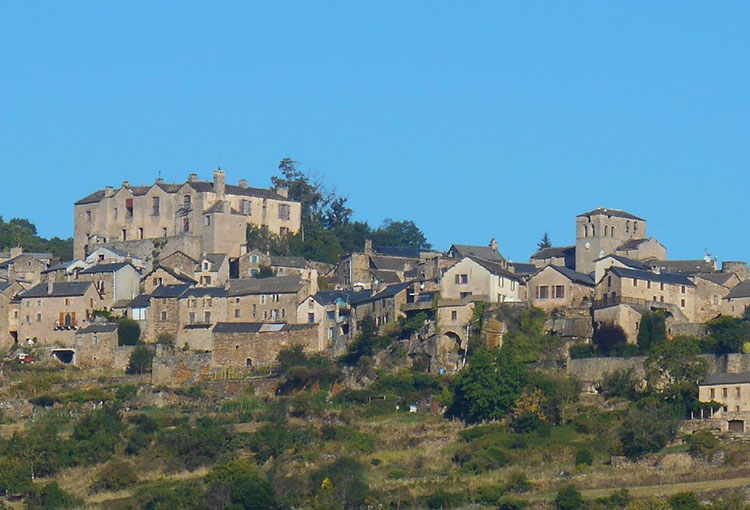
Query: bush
{"x": 518, "y": 482}
{"x": 584, "y": 456}
{"x": 568, "y": 498}
{"x": 609, "y": 338}
{"x": 50, "y": 497}
{"x": 237, "y": 485}
{"x": 165, "y": 339}
{"x": 490, "y": 494}
{"x": 619, "y": 383}
{"x": 582, "y": 351}
{"x": 140, "y": 360}
{"x": 702, "y": 443}
{"x": 128, "y": 332}
{"x": 443, "y": 499}
{"x": 685, "y": 501}
{"x": 114, "y": 477}
{"x": 647, "y": 430}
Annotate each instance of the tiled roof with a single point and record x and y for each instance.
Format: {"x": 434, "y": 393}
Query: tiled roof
{"x": 388, "y": 263}
{"x": 482, "y": 252}
{"x": 495, "y": 268}
{"x": 272, "y": 285}
{"x": 98, "y": 328}
{"x": 555, "y": 251}
{"x": 216, "y": 259}
{"x": 170, "y": 291}
{"x": 718, "y": 278}
{"x": 683, "y": 266}
{"x": 282, "y": 261}
{"x": 106, "y": 268}
{"x": 140, "y": 301}
{"x": 521, "y": 268}
{"x": 612, "y": 212}
{"x": 741, "y": 290}
{"x": 258, "y": 327}
{"x": 631, "y": 263}
{"x": 400, "y": 251}
{"x": 669, "y": 278}
{"x": 347, "y": 296}
{"x": 59, "y": 289}
{"x": 180, "y": 276}
{"x": 574, "y": 276}
{"x": 214, "y": 292}
{"x": 385, "y": 276}
{"x": 721, "y": 378}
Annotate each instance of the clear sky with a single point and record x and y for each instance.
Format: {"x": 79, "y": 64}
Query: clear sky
{"x": 474, "y": 119}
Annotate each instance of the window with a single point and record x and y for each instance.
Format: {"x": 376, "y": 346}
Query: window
{"x": 465, "y": 294}
{"x": 283, "y": 231}
{"x": 606, "y": 230}
{"x": 262, "y": 299}
{"x": 275, "y": 298}
{"x": 682, "y": 290}
{"x": 648, "y": 284}
{"x": 713, "y": 393}
{"x": 192, "y": 303}
{"x": 627, "y": 226}
{"x": 186, "y": 201}
{"x": 585, "y": 231}
{"x": 330, "y": 333}
{"x": 155, "y": 206}
{"x": 542, "y": 292}
{"x": 611, "y": 231}
{"x": 265, "y": 314}
{"x": 207, "y": 302}
{"x": 716, "y": 300}
{"x": 39, "y": 317}
{"x": 462, "y": 279}
{"x": 682, "y": 303}
{"x": 88, "y": 215}
{"x": 128, "y": 207}
{"x": 275, "y": 314}
{"x": 454, "y": 315}
{"x": 207, "y": 317}
{"x": 163, "y": 316}
{"x": 207, "y": 220}
{"x": 67, "y": 302}
{"x": 737, "y": 391}
{"x": 186, "y": 225}
{"x": 661, "y": 298}
{"x": 254, "y": 259}
{"x": 140, "y": 232}
{"x": 512, "y": 285}
{"x": 593, "y": 231}
{"x": 206, "y": 280}
{"x": 255, "y": 310}
{"x": 139, "y": 314}
{"x": 284, "y": 211}
{"x": 191, "y": 318}
{"x": 164, "y": 232}
{"x": 724, "y": 392}
{"x": 635, "y": 282}
{"x": 331, "y": 315}
{"x": 609, "y": 281}
{"x": 115, "y": 215}
{"x": 655, "y": 299}
{"x": 559, "y": 292}
{"x": 311, "y": 318}
{"x": 635, "y": 226}
{"x": 124, "y": 236}
{"x": 245, "y": 207}
{"x": 236, "y": 313}
{"x": 661, "y": 286}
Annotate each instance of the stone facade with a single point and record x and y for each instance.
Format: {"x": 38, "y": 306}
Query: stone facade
{"x": 113, "y": 282}
{"x": 476, "y": 277}
{"x": 25, "y": 268}
{"x": 96, "y": 347}
{"x": 554, "y": 286}
{"x": 257, "y": 345}
{"x": 601, "y": 232}
{"x": 199, "y": 310}
{"x": 165, "y": 276}
{"x": 710, "y": 291}
{"x": 214, "y": 212}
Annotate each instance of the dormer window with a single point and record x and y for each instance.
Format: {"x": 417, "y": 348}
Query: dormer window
{"x": 206, "y": 265}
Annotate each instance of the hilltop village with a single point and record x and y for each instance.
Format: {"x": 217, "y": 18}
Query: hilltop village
{"x": 174, "y": 259}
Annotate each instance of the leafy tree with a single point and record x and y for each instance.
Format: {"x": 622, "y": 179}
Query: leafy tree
{"x": 619, "y": 383}
{"x": 114, "y": 477}
{"x": 50, "y": 497}
{"x": 21, "y": 232}
{"x": 264, "y": 272}
{"x": 165, "y": 339}
{"x": 488, "y": 388}
{"x": 727, "y": 334}
{"x": 544, "y": 242}
{"x": 240, "y": 487}
{"x": 95, "y": 436}
{"x": 400, "y": 233}
{"x": 652, "y": 330}
{"x": 140, "y": 360}
{"x": 291, "y": 357}
{"x": 685, "y": 501}
{"x": 702, "y": 443}
{"x": 364, "y": 342}
{"x": 340, "y": 484}
{"x": 584, "y": 456}
{"x": 674, "y": 369}
{"x": 128, "y": 332}
{"x": 568, "y": 498}
{"x": 609, "y": 337}
{"x": 526, "y": 339}
{"x": 647, "y": 429}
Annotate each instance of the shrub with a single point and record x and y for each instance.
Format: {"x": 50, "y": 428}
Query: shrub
{"x": 140, "y": 360}
{"x": 237, "y": 484}
{"x": 128, "y": 332}
{"x": 114, "y": 477}
{"x": 609, "y": 338}
{"x": 518, "y": 482}
{"x": 582, "y": 351}
{"x": 647, "y": 430}
{"x": 619, "y": 383}
{"x": 444, "y": 499}
{"x": 702, "y": 443}
{"x": 568, "y": 498}
{"x": 51, "y": 496}
{"x": 490, "y": 494}
{"x": 584, "y": 456}
{"x": 165, "y": 339}
{"x": 342, "y": 482}
{"x": 685, "y": 501}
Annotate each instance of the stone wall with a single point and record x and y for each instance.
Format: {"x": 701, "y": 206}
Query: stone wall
{"x": 151, "y": 249}
{"x": 687, "y": 329}
{"x": 172, "y": 366}
{"x": 261, "y": 348}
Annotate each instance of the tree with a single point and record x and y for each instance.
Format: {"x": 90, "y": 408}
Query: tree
{"x": 140, "y": 360}
{"x": 241, "y": 486}
{"x": 340, "y": 484}
{"x": 400, "y": 233}
{"x": 364, "y": 342}
{"x": 685, "y": 501}
{"x": 648, "y": 429}
{"x": 673, "y": 371}
{"x": 165, "y": 339}
{"x": 653, "y": 330}
{"x": 128, "y": 332}
{"x": 488, "y": 388}
{"x": 728, "y": 334}
{"x": 568, "y": 498}
{"x": 544, "y": 242}
{"x": 291, "y": 357}
{"x": 609, "y": 338}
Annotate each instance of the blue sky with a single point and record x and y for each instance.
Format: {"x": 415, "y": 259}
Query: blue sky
{"x": 474, "y": 119}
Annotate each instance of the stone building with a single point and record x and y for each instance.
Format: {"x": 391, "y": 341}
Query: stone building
{"x": 642, "y": 249}
{"x": 214, "y": 212}
{"x": 257, "y": 344}
{"x": 8, "y": 314}
{"x": 113, "y": 282}
{"x": 271, "y": 299}
{"x": 250, "y": 264}
{"x": 705, "y": 265}
{"x": 164, "y": 275}
{"x": 105, "y": 255}
{"x": 371, "y": 269}
{"x": 601, "y": 232}
{"x": 200, "y": 309}
{"x": 212, "y": 270}
{"x": 602, "y": 264}
{"x": 557, "y": 286}
{"x": 51, "y": 312}
{"x": 385, "y": 307}
{"x": 178, "y": 261}
{"x": 710, "y": 291}
{"x": 736, "y": 300}
{"x": 97, "y": 347}
{"x": 331, "y": 311}
{"x": 163, "y": 314}
{"x": 24, "y": 268}
{"x": 564, "y": 256}
{"x": 732, "y": 393}
{"x": 480, "y": 277}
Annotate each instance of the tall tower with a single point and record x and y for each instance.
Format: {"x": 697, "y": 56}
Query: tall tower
{"x": 601, "y": 231}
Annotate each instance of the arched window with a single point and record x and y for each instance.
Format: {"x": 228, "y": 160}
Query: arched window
{"x": 611, "y": 231}
{"x": 627, "y": 226}
{"x": 635, "y": 226}
{"x": 585, "y": 231}
{"x": 593, "y": 231}
{"x": 606, "y": 230}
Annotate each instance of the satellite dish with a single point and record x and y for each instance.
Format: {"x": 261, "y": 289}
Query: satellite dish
{"x": 587, "y": 245}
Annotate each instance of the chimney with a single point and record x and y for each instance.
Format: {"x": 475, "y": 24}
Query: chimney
{"x": 109, "y": 191}
{"x": 493, "y": 244}
{"x": 125, "y": 184}
{"x": 368, "y": 246}
{"x": 159, "y": 181}
{"x": 219, "y": 181}
{"x": 243, "y": 183}
{"x": 284, "y": 192}
{"x": 50, "y": 285}
{"x": 192, "y": 177}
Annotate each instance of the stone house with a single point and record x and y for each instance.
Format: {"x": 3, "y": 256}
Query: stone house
{"x": 705, "y": 265}
{"x": 602, "y": 264}
{"x": 489, "y": 253}
{"x": 385, "y": 307}
{"x": 331, "y": 311}
{"x": 25, "y": 268}
{"x": 626, "y": 315}
{"x": 732, "y": 392}
{"x": 363, "y": 270}
{"x": 212, "y": 270}
{"x": 163, "y": 314}
{"x": 710, "y": 291}
{"x": 163, "y": 275}
{"x": 64, "y": 271}
{"x": 8, "y": 314}
{"x": 105, "y": 255}
{"x": 257, "y": 344}
{"x": 564, "y": 256}
{"x": 557, "y": 286}
{"x": 200, "y": 308}
{"x": 648, "y": 248}
{"x": 736, "y": 300}
{"x": 113, "y": 282}
{"x": 454, "y": 318}
{"x": 473, "y": 276}
{"x": 215, "y": 212}
{"x": 273, "y": 299}
{"x": 51, "y": 312}
{"x": 250, "y": 263}
{"x": 96, "y": 345}
{"x": 178, "y": 261}
{"x": 601, "y": 232}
